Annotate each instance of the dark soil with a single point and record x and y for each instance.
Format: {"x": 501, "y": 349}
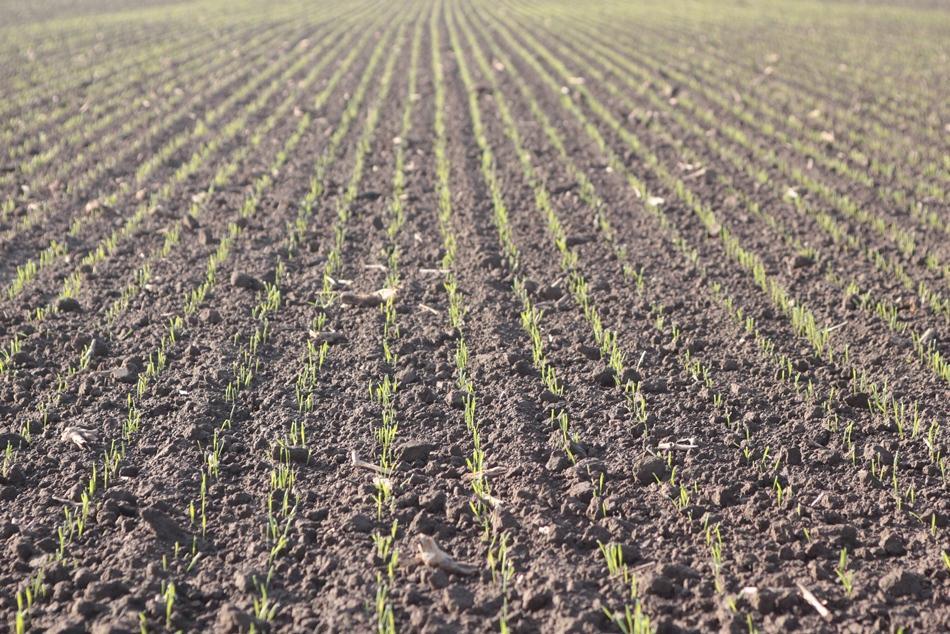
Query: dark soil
{"x": 758, "y": 464}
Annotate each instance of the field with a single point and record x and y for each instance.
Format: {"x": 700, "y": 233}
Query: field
{"x": 444, "y": 316}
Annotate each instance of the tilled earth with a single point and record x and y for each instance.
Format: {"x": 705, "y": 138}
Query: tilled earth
{"x": 662, "y": 291}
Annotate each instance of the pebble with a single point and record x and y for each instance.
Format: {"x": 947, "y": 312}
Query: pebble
{"x": 407, "y": 376}
{"x": 164, "y": 526}
{"x": 100, "y": 590}
{"x": 793, "y": 456}
{"x": 649, "y": 469}
{"x": 604, "y": 378}
{"x": 858, "y": 400}
{"x": 438, "y": 579}
{"x": 878, "y": 453}
{"x": 209, "y": 316}
{"x": 23, "y": 548}
{"x": 361, "y": 523}
{"x": 902, "y": 583}
{"x": 458, "y": 598}
{"x": 22, "y": 359}
{"x": 801, "y": 261}
{"x": 434, "y": 502}
{"x": 456, "y": 399}
{"x": 68, "y": 305}
{"x": 654, "y": 386}
{"x": 893, "y": 544}
{"x": 232, "y": 619}
{"x": 425, "y": 395}
{"x": 414, "y": 450}
{"x": 558, "y": 462}
{"x": 361, "y": 299}
{"x": 582, "y": 491}
{"x": 243, "y": 280}
{"x": 125, "y": 374}
{"x": 297, "y": 455}
{"x": 661, "y": 587}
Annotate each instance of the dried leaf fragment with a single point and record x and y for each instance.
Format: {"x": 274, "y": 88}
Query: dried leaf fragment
{"x": 79, "y": 436}
{"x": 429, "y": 553}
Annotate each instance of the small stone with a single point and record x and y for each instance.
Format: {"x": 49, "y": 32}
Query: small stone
{"x": 503, "y": 520}
{"x": 725, "y": 496}
{"x": 196, "y": 432}
{"x": 433, "y": 502}
{"x": 243, "y": 280}
{"x": 650, "y": 469}
{"x": 558, "y": 462}
{"x": 361, "y": 523}
{"x": 164, "y": 526}
{"x": 328, "y": 337}
{"x": 413, "y": 451}
{"x": 801, "y": 261}
{"x": 426, "y": 395}
{"x": 793, "y": 456}
{"x": 361, "y": 299}
{"x": 604, "y": 378}
{"x": 16, "y": 441}
{"x": 858, "y": 400}
{"x": 68, "y": 305}
{"x": 22, "y": 359}
{"x": 86, "y": 609}
{"x": 125, "y": 374}
{"x": 456, "y": 399}
{"x": 523, "y": 367}
{"x": 654, "y": 386}
{"x": 878, "y": 454}
{"x": 551, "y": 293}
{"x": 23, "y": 548}
{"x": 661, "y": 586}
{"x": 902, "y": 583}
{"x": 243, "y": 581}
{"x": 407, "y": 376}
{"x": 232, "y": 619}
{"x": 205, "y": 237}
{"x": 100, "y": 590}
{"x": 209, "y": 316}
{"x": 438, "y": 579}
{"x": 458, "y": 598}
{"x": 893, "y": 544}
{"x": 298, "y": 455}
{"x": 582, "y": 491}
{"x": 97, "y": 348}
